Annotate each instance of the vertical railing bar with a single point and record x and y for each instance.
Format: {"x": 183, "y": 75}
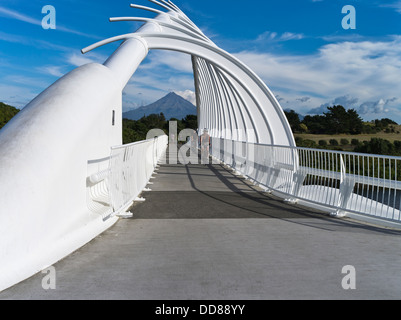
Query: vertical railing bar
{"x": 329, "y": 178}
{"x": 354, "y": 176}
{"x": 326, "y": 156}
{"x": 377, "y": 189}
{"x": 389, "y": 186}
{"x": 319, "y": 155}
{"x": 337, "y": 166}
{"x": 373, "y": 186}
{"x": 333, "y": 177}
{"x": 361, "y": 185}
{"x": 317, "y": 168}
{"x": 395, "y": 188}
{"x": 364, "y": 179}
{"x": 370, "y": 185}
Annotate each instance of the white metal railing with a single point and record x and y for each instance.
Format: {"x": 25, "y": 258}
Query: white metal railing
{"x": 342, "y": 181}
{"x": 131, "y": 167}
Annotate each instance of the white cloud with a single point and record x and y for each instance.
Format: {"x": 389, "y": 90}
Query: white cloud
{"x": 162, "y": 72}
{"x": 274, "y": 36}
{"x": 291, "y": 36}
{"x": 18, "y": 16}
{"x": 303, "y": 99}
{"x": 373, "y": 107}
{"x": 367, "y": 71}
{"x": 188, "y": 95}
{"x": 173, "y": 60}
{"x": 5, "y": 12}
{"x": 78, "y": 60}
{"x": 16, "y": 95}
{"x": 53, "y": 70}
{"x": 346, "y": 101}
{"x": 380, "y": 106}
{"x": 395, "y": 5}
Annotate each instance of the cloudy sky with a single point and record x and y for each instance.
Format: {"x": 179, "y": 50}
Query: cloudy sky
{"x": 298, "y": 47}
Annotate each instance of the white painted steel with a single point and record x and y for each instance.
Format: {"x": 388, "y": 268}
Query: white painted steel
{"x": 343, "y": 182}
{"x": 217, "y": 74}
{"x": 55, "y": 165}
{"x": 49, "y": 150}
{"x": 131, "y": 167}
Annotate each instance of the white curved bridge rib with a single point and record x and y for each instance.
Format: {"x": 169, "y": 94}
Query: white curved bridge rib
{"x": 262, "y": 116}
{"x": 54, "y": 198}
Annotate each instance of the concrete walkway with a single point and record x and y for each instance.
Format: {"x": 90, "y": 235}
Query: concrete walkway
{"x": 203, "y": 233}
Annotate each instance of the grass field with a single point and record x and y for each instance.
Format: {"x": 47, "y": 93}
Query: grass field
{"x": 361, "y": 137}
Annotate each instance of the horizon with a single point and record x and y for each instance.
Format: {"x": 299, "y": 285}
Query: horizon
{"x": 285, "y": 110}
{"x": 300, "y": 49}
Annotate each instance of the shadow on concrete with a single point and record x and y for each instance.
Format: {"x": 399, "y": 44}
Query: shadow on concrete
{"x": 239, "y": 199}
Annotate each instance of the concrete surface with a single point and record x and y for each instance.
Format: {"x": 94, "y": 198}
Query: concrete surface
{"x": 203, "y": 233}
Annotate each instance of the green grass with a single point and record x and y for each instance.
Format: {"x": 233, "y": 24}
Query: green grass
{"x": 361, "y": 137}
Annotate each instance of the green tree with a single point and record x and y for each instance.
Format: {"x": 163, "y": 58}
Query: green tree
{"x": 376, "y": 146}
{"x": 339, "y": 120}
{"x": 303, "y": 127}
{"x": 354, "y": 122}
{"x": 190, "y": 122}
{"x": 293, "y": 120}
{"x": 355, "y": 142}
{"x": 333, "y": 142}
{"x": 316, "y": 124}
{"x": 7, "y": 112}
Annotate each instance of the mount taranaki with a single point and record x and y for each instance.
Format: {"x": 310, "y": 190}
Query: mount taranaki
{"x": 172, "y": 106}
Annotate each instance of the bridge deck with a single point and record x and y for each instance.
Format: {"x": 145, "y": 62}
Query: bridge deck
{"x": 203, "y": 233}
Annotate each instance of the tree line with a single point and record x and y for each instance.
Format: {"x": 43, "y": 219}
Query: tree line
{"x": 337, "y": 120}
{"x": 133, "y": 130}
{"x": 136, "y": 130}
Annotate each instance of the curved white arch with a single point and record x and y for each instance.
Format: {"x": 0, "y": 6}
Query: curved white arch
{"x": 264, "y": 112}
{"x": 46, "y": 208}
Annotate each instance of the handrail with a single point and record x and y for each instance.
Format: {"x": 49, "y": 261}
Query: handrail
{"x": 333, "y": 151}
{"x": 124, "y": 146}
{"x": 342, "y": 182}
{"x": 130, "y": 169}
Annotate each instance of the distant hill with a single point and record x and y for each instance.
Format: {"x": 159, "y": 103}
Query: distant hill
{"x": 172, "y": 106}
{"x": 6, "y": 113}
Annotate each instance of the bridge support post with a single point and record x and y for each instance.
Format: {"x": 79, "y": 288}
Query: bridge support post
{"x": 346, "y": 189}
{"x": 298, "y": 180}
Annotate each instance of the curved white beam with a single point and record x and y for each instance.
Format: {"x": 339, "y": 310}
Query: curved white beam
{"x": 257, "y": 91}
{"x": 54, "y": 164}
{"x": 257, "y": 95}
{"x": 161, "y": 23}
{"x": 167, "y": 7}
{"x": 137, "y": 6}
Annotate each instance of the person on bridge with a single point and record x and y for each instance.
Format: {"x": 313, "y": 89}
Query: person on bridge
{"x": 205, "y": 144}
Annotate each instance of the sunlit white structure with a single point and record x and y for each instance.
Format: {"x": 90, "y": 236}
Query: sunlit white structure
{"x": 233, "y": 102}
{"x": 65, "y": 177}
{"x": 62, "y": 184}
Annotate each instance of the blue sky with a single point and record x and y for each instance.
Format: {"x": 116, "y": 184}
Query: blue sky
{"x": 297, "y": 47}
